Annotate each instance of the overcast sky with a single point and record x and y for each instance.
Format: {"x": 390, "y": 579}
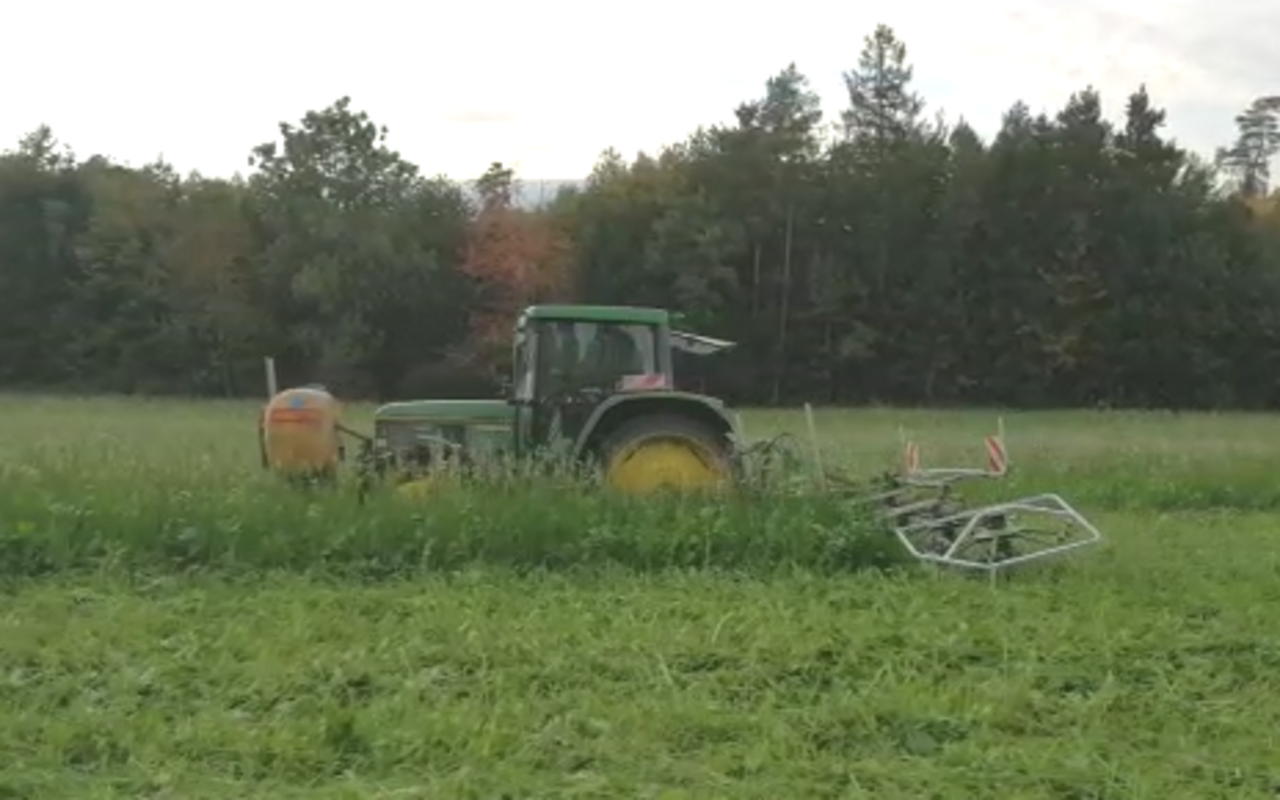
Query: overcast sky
{"x": 545, "y": 85}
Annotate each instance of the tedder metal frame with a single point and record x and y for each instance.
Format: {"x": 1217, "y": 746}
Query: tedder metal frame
{"x": 921, "y": 507}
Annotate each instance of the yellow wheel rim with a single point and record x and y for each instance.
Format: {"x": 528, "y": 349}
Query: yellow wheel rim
{"x": 664, "y": 463}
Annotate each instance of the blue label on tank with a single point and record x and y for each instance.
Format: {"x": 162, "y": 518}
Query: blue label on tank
{"x": 297, "y": 401}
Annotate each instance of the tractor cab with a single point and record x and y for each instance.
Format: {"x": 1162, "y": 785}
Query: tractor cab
{"x": 567, "y": 350}
{"x": 569, "y": 360}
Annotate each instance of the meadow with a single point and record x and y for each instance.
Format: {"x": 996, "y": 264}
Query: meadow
{"x": 174, "y": 624}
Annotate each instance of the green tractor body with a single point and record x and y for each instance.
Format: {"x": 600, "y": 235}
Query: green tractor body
{"x": 591, "y": 385}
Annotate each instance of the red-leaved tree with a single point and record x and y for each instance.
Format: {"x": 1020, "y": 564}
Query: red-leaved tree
{"x": 518, "y": 257}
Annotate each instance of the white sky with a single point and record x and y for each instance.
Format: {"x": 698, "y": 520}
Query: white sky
{"x": 546, "y": 85}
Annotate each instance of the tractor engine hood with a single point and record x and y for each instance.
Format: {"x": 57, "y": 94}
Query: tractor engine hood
{"x": 447, "y": 413}
{"x": 481, "y": 428}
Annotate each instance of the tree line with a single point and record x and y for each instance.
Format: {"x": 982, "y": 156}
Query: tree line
{"x": 884, "y": 256}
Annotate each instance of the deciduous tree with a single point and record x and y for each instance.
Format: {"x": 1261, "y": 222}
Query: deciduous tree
{"x": 517, "y": 257}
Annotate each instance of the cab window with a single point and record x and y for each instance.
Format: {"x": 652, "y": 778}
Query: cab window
{"x": 575, "y": 355}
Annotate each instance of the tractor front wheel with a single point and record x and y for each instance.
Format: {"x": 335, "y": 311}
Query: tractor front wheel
{"x": 665, "y": 451}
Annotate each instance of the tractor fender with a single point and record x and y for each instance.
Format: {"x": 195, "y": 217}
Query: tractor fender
{"x": 617, "y": 410}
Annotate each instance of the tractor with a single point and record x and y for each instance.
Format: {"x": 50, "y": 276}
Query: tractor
{"x": 594, "y": 387}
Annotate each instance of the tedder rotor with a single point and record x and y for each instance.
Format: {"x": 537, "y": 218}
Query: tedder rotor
{"x": 594, "y": 387}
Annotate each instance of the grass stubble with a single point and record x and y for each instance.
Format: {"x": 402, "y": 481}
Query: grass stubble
{"x": 170, "y": 626}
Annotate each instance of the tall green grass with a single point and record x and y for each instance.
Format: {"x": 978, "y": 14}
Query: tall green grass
{"x": 109, "y": 483}
{"x": 58, "y": 518}
{"x": 155, "y": 485}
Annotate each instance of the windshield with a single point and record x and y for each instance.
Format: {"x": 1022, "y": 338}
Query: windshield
{"x": 575, "y": 355}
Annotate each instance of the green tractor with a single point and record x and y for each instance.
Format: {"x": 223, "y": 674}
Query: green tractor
{"x": 591, "y": 385}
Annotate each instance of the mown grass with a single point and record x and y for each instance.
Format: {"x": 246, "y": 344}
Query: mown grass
{"x": 1140, "y": 669}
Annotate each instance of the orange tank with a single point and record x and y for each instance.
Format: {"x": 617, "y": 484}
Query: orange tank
{"x": 299, "y": 429}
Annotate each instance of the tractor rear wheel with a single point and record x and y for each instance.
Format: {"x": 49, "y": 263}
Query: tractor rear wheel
{"x": 664, "y": 451}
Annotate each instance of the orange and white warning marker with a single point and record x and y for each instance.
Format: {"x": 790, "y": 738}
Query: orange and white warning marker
{"x": 997, "y": 462}
{"x": 997, "y": 456}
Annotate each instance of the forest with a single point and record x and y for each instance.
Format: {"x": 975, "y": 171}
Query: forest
{"x": 885, "y": 256}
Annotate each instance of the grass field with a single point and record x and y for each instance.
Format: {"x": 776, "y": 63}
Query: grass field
{"x": 172, "y": 626}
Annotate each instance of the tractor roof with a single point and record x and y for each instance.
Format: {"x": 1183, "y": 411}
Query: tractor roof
{"x": 586, "y": 313}
{"x": 680, "y": 340}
